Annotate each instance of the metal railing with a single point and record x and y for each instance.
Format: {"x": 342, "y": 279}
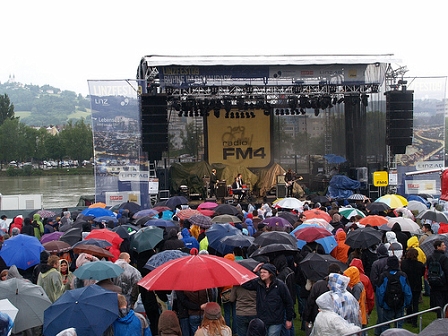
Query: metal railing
{"x": 399, "y": 319}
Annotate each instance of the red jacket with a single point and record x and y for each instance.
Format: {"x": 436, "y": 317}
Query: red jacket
{"x": 370, "y": 293}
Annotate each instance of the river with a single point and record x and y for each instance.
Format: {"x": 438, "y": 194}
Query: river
{"x": 58, "y": 191}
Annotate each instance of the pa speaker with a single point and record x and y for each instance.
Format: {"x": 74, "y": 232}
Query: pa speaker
{"x": 154, "y": 126}
{"x": 399, "y": 120}
{"x": 281, "y": 190}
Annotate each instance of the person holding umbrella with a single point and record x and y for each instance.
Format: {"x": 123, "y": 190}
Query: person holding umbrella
{"x": 274, "y": 301}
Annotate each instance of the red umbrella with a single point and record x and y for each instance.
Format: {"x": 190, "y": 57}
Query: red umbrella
{"x": 106, "y": 234}
{"x": 312, "y": 233}
{"x": 209, "y": 272}
{"x": 373, "y": 220}
{"x": 316, "y": 213}
{"x": 161, "y": 208}
{"x": 207, "y": 212}
{"x": 187, "y": 213}
{"x": 207, "y": 205}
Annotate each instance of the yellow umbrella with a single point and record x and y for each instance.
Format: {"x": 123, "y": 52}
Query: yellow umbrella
{"x": 393, "y": 200}
{"x": 98, "y": 205}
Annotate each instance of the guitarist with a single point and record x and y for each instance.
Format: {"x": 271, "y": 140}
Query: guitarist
{"x": 289, "y": 180}
{"x": 213, "y": 183}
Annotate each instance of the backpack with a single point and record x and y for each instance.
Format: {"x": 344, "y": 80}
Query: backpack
{"x": 436, "y": 276}
{"x": 394, "y": 296}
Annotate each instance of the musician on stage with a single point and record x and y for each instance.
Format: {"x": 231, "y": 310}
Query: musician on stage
{"x": 237, "y": 187}
{"x": 289, "y": 180}
{"x": 213, "y": 183}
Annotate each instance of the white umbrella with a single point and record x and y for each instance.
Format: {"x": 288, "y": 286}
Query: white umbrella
{"x": 290, "y": 203}
{"x": 416, "y": 206}
{"x": 319, "y": 221}
{"x": 8, "y": 308}
{"x": 406, "y": 224}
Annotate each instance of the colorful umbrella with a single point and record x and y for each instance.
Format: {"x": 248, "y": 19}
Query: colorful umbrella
{"x": 51, "y": 236}
{"x": 312, "y": 233}
{"x": 186, "y": 213}
{"x": 373, "y": 220}
{"x": 46, "y": 213}
{"x": 162, "y": 257}
{"x": 277, "y": 223}
{"x": 319, "y": 221}
{"x": 95, "y": 309}
{"x": 98, "y": 205}
{"x": 202, "y": 221}
{"x": 21, "y": 250}
{"x": 98, "y": 270}
{"x": 57, "y": 246}
{"x": 146, "y": 238}
{"x": 209, "y": 272}
{"x": 316, "y": 213}
{"x": 393, "y": 200}
{"x": 350, "y": 212}
{"x": 207, "y": 205}
{"x": 226, "y": 219}
{"x": 327, "y": 243}
{"x": 106, "y": 234}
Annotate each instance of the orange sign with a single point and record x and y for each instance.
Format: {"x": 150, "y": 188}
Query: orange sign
{"x": 239, "y": 141}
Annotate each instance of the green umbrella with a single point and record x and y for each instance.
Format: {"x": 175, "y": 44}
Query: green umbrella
{"x": 146, "y": 238}
{"x": 350, "y": 212}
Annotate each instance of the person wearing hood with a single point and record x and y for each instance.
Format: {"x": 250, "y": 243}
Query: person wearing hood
{"x": 189, "y": 241}
{"x": 393, "y": 246}
{"x": 27, "y": 227}
{"x": 172, "y": 242}
{"x": 390, "y": 313}
{"x": 274, "y": 301}
{"x": 129, "y": 323}
{"x": 256, "y": 328}
{"x": 370, "y": 293}
{"x": 250, "y": 226}
{"x": 44, "y": 255}
{"x": 402, "y": 237}
{"x": 67, "y": 276}
{"x": 340, "y": 252}
{"x": 414, "y": 243}
{"x": 344, "y": 303}
{"x": 169, "y": 324}
{"x": 378, "y": 268}
{"x": 50, "y": 279}
{"x": 17, "y": 223}
{"x": 38, "y": 226}
{"x": 356, "y": 287}
{"x": 328, "y": 322}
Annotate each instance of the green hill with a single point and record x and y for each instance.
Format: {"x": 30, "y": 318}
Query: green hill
{"x": 45, "y": 105}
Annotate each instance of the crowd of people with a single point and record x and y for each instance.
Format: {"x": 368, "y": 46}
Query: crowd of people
{"x": 342, "y": 300}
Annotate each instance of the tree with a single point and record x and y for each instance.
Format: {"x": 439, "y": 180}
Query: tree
{"x": 77, "y": 140}
{"x": 9, "y": 140}
{"x": 6, "y": 108}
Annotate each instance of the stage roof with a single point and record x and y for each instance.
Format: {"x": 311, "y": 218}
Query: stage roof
{"x": 211, "y": 60}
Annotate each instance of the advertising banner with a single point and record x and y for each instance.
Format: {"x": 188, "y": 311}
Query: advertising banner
{"x": 121, "y": 172}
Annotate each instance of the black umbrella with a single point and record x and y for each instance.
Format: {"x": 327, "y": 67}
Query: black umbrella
{"x": 226, "y": 209}
{"x": 237, "y": 240}
{"x": 275, "y": 237}
{"x": 72, "y": 236}
{"x": 289, "y": 216}
{"x": 141, "y": 221}
{"x": 315, "y": 266}
{"x": 122, "y": 232}
{"x": 363, "y": 237}
{"x": 275, "y": 249}
{"x": 377, "y": 207}
{"x": 433, "y": 215}
{"x": 427, "y": 245}
{"x": 249, "y": 263}
{"x": 320, "y": 199}
{"x": 175, "y": 201}
{"x": 131, "y": 206}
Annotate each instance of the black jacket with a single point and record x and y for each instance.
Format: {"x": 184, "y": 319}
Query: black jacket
{"x": 443, "y": 259}
{"x": 272, "y": 301}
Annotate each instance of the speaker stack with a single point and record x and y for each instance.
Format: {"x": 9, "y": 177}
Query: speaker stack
{"x": 154, "y": 126}
{"x": 399, "y": 120}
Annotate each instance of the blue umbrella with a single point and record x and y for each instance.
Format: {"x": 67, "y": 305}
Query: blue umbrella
{"x": 328, "y": 243}
{"x": 332, "y": 158}
{"x": 145, "y": 212}
{"x": 419, "y": 199}
{"x": 90, "y": 310}
{"x": 160, "y": 223}
{"x": 22, "y": 251}
{"x": 98, "y": 212}
{"x": 162, "y": 257}
{"x": 219, "y": 231}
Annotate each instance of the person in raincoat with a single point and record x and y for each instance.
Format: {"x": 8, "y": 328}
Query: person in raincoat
{"x": 67, "y": 276}
{"x": 340, "y": 252}
{"x": 393, "y": 246}
{"x": 38, "y": 226}
{"x": 329, "y": 323}
{"x": 345, "y": 304}
{"x": 414, "y": 243}
{"x": 128, "y": 279}
{"x": 189, "y": 241}
{"x": 129, "y": 322}
{"x": 356, "y": 287}
{"x": 51, "y": 280}
{"x": 370, "y": 292}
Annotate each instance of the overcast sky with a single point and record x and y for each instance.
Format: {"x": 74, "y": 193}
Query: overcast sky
{"x": 66, "y": 43}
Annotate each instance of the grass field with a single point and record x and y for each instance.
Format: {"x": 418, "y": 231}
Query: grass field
{"x": 427, "y": 318}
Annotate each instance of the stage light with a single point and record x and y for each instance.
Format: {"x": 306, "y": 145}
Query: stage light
{"x": 341, "y": 100}
{"x": 252, "y": 114}
{"x": 302, "y": 111}
{"x": 316, "y": 112}
{"x": 286, "y": 111}
{"x": 227, "y": 115}
{"x": 334, "y": 101}
{"x": 180, "y": 114}
{"x": 227, "y": 105}
{"x": 277, "y": 111}
{"x": 232, "y": 115}
{"x": 216, "y": 112}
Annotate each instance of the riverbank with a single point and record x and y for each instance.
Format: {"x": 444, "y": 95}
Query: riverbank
{"x": 13, "y": 172}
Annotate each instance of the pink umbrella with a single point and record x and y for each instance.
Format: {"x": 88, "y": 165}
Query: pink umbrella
{"x": 207, "y": 205}
{"x": 48, "y": 237}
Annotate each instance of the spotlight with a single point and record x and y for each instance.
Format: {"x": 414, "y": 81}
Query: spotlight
{"x": 237, "y": 115}
{"x": 248, "y": 115}
{"x": 302, "y": 111}
{"x": 232, "y": 115}
{"x": 334, "y": 101}
{"x": 180, "y": 114}
{"x": 216, "y": 112}
{"x": 282, "y": 112}
{"x": 227, "y": 105}
{"x": 286, "y": 111}
{"x": 277, "y": 111}
{"x": 242, "y": 115}
{"x": 316, "y": 112}
{"x": 340, "y": 100}
{"x": 227, "y": 115}
{"x": 252, "y": 114}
